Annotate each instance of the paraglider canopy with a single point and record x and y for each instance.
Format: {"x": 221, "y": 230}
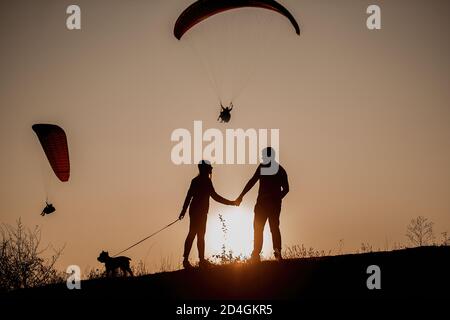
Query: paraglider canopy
{"x": 54, "y": 142}
{"x": 203, "y": 9}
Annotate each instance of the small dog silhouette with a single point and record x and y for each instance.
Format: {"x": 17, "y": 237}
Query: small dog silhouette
{"x": 112, "y": 264}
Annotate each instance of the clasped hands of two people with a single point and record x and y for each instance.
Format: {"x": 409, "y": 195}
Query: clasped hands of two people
{"x": 236, "y": 203}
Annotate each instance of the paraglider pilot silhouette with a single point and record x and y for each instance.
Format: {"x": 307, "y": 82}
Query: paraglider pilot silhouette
{"x": 272, "y": 189}
{"x": 49, "y": 208}
{"x": 225, "y": 113}
{"x": 197, "y": 199}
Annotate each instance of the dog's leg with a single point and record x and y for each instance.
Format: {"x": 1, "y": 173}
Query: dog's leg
{"x": 129, "y": 271}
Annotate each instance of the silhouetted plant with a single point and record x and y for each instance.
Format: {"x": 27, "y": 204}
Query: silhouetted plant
{"x": 92, "y": 274}
{"x": 139, "y": 269}
{"x": 366, "y": 247}
{"x": 341, "y": 246}
{"x": 223, "y": 226}
{"x": 300, "y": 251}
{"x": 420, "y": 232}
{"x": 21, "y": 262}
{"x": 166, "y": 264}
{"x": 445, "y": 241}
{"x": 398, "y": 246}
{"x": 225, "y": 256}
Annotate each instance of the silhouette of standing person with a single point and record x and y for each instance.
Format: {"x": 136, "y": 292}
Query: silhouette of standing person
{"x": 200, "y": 190}
{"x": 272, "y": 189}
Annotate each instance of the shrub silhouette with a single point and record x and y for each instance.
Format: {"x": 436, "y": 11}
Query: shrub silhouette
{"x": 420, "y": 232}
{"x": 21, "y": 262}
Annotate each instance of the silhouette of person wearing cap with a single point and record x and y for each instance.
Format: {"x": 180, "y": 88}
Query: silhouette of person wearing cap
{"x": 273, "y": 187}
{"x": 197, "y": 199}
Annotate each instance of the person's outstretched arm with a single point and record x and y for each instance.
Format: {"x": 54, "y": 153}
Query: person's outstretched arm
{"x": 187, "y": 201}
{"x": 249, "y": 185}
{"x": 284, "y": 184}
{"x": 219, "y": 198}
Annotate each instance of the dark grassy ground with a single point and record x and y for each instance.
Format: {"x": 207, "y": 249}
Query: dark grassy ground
{"x": 420, "y": 273}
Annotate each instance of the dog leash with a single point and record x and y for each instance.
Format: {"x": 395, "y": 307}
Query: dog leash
{"x": 140, "y": 241}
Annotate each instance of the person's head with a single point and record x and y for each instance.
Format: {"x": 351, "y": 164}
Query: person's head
{"x": 268, "y": 154}
{"x": 204, "y": 167}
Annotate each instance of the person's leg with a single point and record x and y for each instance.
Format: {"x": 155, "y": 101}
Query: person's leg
{"x": 201, "y": 231}
{"x": 258, "y": 230}
{"x": 190, "y": 238}
{"x": 274, "y": 223}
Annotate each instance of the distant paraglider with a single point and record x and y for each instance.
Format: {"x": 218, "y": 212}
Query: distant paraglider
{"x": 54, "y": 143}
{"x": 49, "y": 208}
{"x": 215, "y": 33}
{"x": 225, "y": 113}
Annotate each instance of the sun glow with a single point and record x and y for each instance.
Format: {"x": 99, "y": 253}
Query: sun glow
{"x": 235, "y": 231}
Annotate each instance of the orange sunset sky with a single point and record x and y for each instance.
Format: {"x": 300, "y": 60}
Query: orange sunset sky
{"x": 364, "y": 120}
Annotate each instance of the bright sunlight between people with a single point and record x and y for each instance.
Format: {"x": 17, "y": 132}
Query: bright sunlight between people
{"x": 236, "y": 232}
